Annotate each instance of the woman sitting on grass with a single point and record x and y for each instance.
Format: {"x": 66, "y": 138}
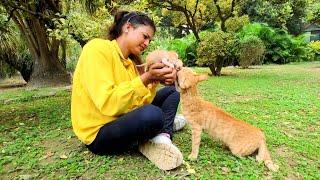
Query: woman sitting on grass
{"x": 115, "y": 105}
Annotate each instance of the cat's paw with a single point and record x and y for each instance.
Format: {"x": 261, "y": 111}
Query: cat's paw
{"x": 273, "y": 167}
{"x": 192, "y": 157}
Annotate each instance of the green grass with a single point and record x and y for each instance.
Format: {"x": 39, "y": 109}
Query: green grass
{"x": 36, "y": 138}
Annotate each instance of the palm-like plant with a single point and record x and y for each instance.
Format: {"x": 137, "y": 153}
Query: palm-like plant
{"x": 13, "y": 51}
{"x": 6, "y": 51}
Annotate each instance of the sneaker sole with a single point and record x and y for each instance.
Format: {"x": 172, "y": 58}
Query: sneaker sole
{"x": 164, "y": 156}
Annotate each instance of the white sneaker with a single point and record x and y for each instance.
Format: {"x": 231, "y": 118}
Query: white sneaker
{"x": 179, "y": 122}
{"x": 161, "y": 139}
{"x": 162, "y": 152}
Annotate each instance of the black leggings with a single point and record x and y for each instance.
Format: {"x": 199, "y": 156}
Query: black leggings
{"x": 138, "y": 125}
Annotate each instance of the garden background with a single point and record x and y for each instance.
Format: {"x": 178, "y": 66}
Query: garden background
{"x": 263, "y": 58}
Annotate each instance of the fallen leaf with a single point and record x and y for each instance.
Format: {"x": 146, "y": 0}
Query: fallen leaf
{"x": 191, "y": 171}
{"x": 85, "y": 152}
{"x": 63, "y": 156}
{"x": 225, "y": 170}
{"x": 48, "y": 154}
{"x": 25, "y": 176}
{"x": 87, "y": 162}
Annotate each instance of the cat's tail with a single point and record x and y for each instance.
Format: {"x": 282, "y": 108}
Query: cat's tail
{"x": 263, "y": 155}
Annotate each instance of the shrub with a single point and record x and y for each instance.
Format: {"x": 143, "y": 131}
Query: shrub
{"x": 214, "y": 50}
{"x": 73, "y": 52}
{"x": 191, "y": 55}
{"x": 233, "y": 24}
{"x": 6, "y": 71}
{"x": 250, "y": 51}
{"x": 315, "y": 49}
{"x": 281, "y": 47}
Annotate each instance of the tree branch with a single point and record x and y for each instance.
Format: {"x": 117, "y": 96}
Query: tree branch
{"x": 219, "y": 10}
{"x": 195, "y": 9}
{"x": 233, "y": 3}
{"x": 26, "y": 32}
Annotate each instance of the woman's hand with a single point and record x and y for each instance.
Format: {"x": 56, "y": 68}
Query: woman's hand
{"x": 170, "y": 78}
{"x": 158, "y": 72}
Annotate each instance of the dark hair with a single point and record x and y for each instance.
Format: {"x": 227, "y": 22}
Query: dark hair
{"x": 136, "y": 19}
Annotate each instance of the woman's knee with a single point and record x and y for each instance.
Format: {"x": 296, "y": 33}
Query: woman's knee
{"x": 153, "y": 116}
{"x": 172, "y": 91}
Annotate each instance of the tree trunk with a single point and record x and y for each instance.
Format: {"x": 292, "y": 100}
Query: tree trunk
{"x": 212, "y": 68}
{"x": 223, "y": 25}
{"x": 47, "y": 69}
{"x": 191, "y": 24}
{"x": 64, "y": 53}
{"x": 219, "y": 65}
{"x": 216, "y": 67}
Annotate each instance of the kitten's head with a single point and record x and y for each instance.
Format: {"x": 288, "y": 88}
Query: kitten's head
{"x": 187, "y": 78}
{"x": 159, "y": 55}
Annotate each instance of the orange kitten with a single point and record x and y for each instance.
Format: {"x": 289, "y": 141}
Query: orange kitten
{"x": 169, "y": 58}
{"x": 242, "y": 138}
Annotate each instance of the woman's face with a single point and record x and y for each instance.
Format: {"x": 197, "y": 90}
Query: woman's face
{"x": 139, "y": 38}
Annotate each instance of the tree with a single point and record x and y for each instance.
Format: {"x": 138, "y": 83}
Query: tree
{"x": 213, "y": 50}
{"x": 250, "y": 50}
{"x": 227, "y": 9}
{"x": 227, "y": 12}
{"x": 287, "y": 15}
{"x": 313, "y": 11}
{"x": 195, "y": 13}
{"x": 33, "y": 18}
{"x": 295, "y": 22}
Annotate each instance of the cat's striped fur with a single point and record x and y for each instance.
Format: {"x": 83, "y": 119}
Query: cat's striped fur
{"x": 242, "y": 138}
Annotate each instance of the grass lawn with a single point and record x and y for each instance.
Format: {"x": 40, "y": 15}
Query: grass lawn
{"x": 36, "y": 139}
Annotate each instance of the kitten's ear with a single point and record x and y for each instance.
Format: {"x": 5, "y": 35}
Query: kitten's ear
{"x": 202, "y": 77}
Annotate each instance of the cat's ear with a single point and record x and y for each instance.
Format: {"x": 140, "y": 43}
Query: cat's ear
{"x": 185, "y": 80}
{"x": 202, "y": 77}
{"x": 184, "y": 83}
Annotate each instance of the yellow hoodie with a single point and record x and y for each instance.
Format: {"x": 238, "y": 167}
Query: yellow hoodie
{"x": 105, "y": 86}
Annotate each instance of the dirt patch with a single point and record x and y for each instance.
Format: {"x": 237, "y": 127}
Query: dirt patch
{"x": 59, "y": 149}
{"x": 293, "y": 176}
{"x": 287, "y": 154}
{"x": 12, "y": 119}
{"x": 13, "y": 82}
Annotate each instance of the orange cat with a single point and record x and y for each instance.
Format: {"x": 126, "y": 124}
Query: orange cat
{"x": 242, "y": 139}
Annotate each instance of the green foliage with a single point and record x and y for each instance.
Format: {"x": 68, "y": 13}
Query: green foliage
{"x": 315, "y": 48}
{"x": 6, "y": 70}
{"x": 287, "y": 15}
{"x": 73, "y": 53}
{"x": 250, "y": 50}
{"x": 191, "y": 55}
{"x": 315, "y": 45}
{"x": 313, "y": 11}
{"x": 80, "y": 24}
{"x": 280, "y": 46}
{"x": 233, "y": 24}
{"x": 14, "y": 55}
{"x": 213, "y": 46}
